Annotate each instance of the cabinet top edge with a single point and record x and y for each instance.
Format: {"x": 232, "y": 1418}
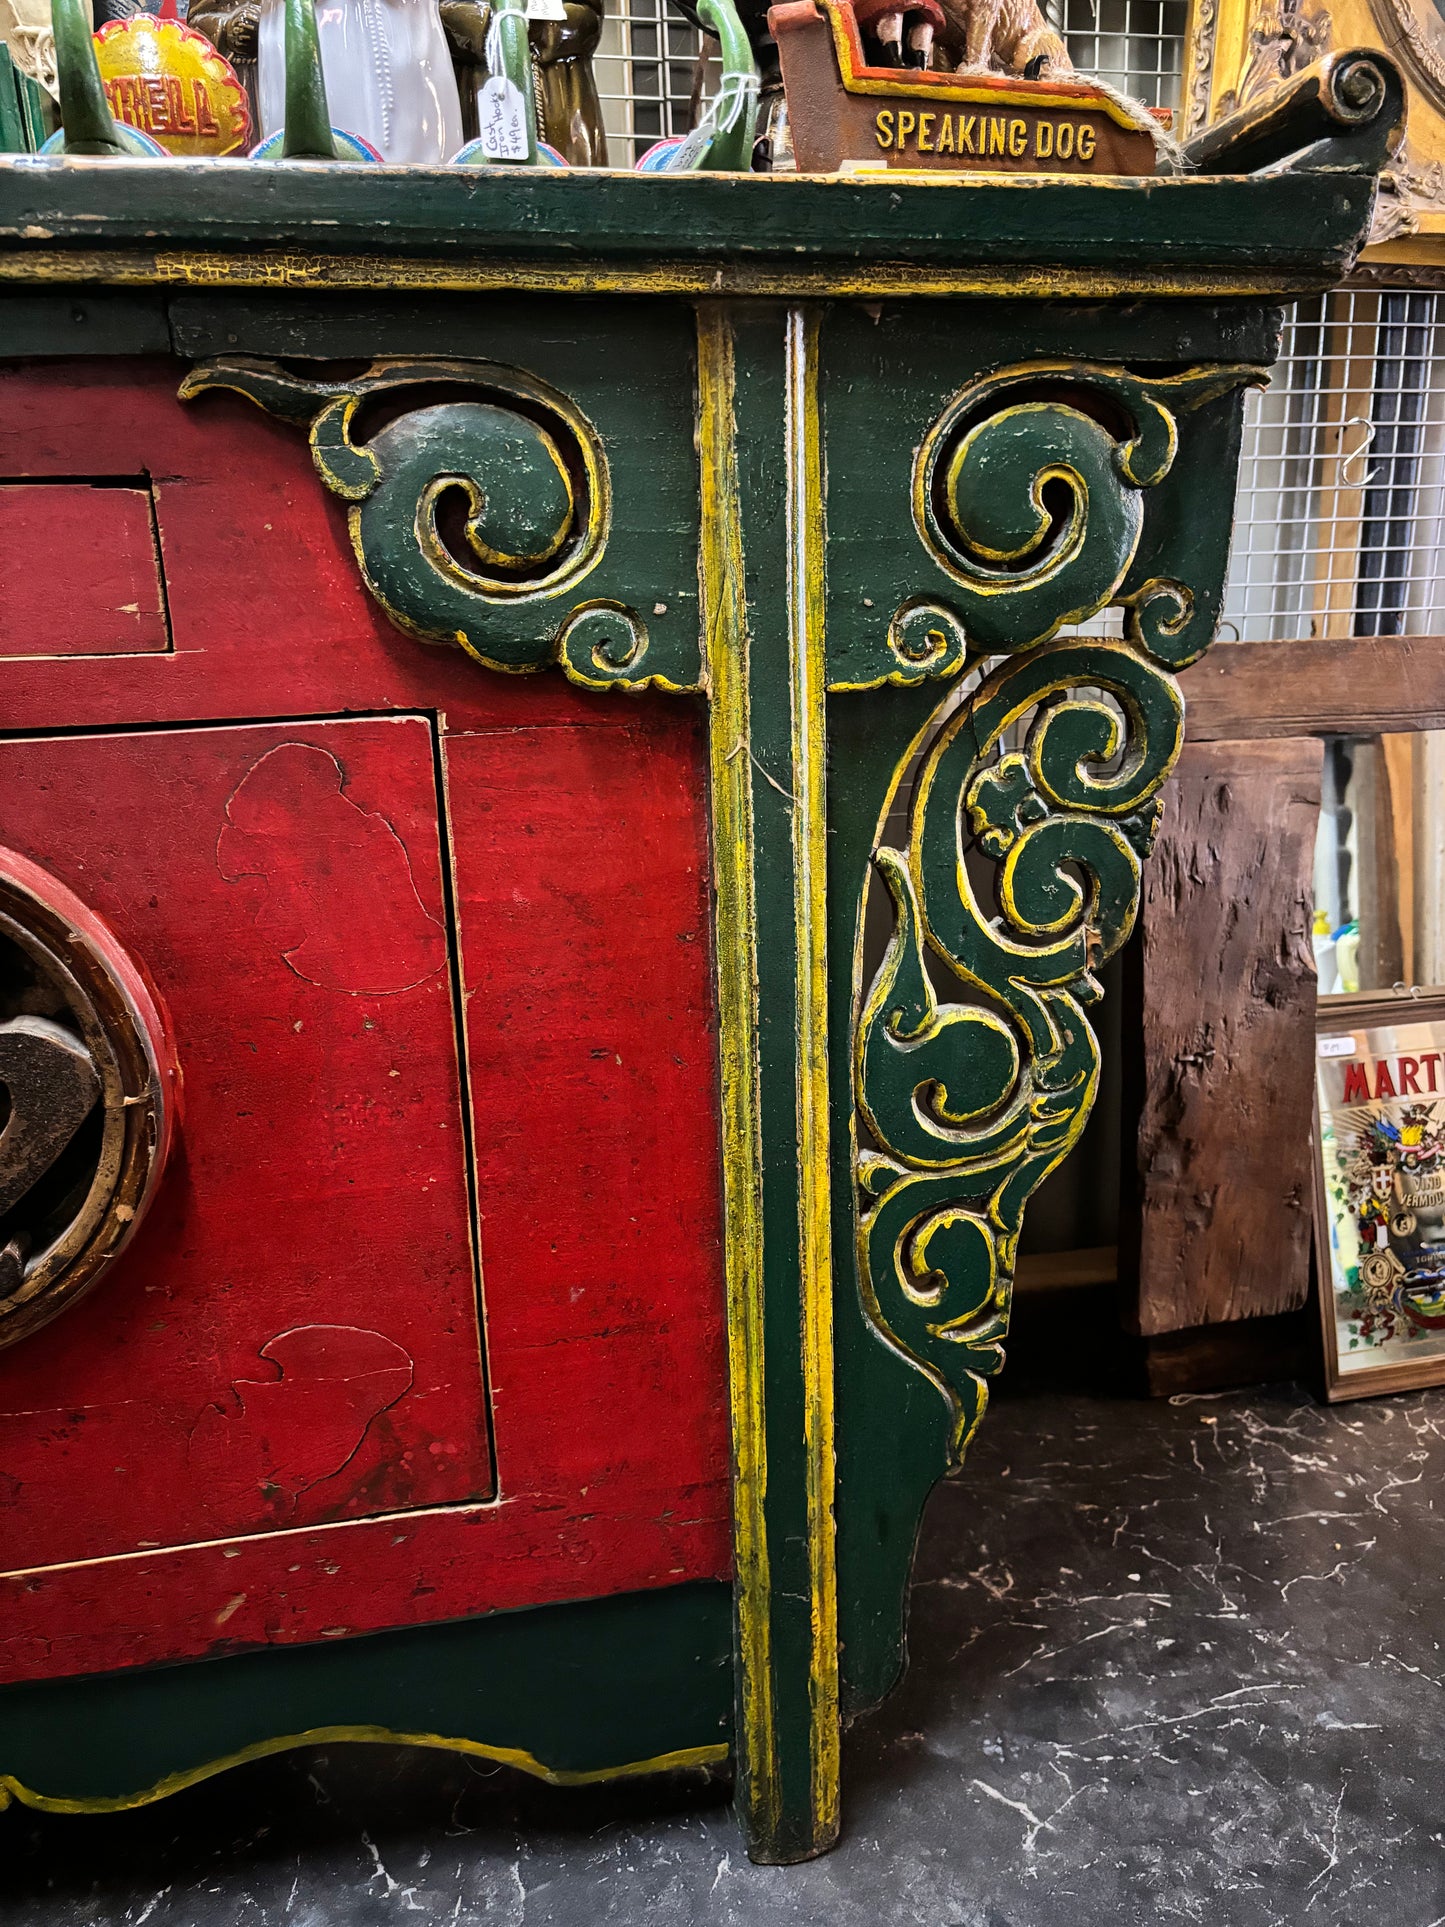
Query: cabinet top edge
{"x": 223, "y": 223}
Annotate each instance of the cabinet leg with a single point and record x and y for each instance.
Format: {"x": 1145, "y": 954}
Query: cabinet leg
{"x": 762, "y": 593}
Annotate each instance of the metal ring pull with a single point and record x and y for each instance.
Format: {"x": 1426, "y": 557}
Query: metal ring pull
{"x": 88, "y": 1080}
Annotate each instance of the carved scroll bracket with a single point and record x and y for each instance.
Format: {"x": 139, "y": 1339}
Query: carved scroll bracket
{"x": 480, "y": 507}
{"x": 1028, "y": 494}
{"x": 1042, "y": 493}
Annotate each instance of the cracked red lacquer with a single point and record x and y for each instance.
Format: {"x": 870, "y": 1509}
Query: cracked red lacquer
{"x": 347, "y": 916}
{"x": 305, "y": 1424}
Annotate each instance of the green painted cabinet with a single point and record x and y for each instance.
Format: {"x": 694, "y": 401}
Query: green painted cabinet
{"x": 866, "y": 521}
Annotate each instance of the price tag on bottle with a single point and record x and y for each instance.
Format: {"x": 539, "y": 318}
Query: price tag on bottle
{"x": 502, "y": 120}
{"x": 546, "y": 10}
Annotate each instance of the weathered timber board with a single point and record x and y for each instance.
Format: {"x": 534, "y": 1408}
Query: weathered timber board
{"x": 1221, "y": 1078}
{"x": 1346, "y": 686}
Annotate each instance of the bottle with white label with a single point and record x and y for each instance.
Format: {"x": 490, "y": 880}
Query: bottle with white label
{"x": 388, "y": 72}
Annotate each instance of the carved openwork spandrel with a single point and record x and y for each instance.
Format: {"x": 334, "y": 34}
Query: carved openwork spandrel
{"x": 969, "y": 1097}
{"x": 1029, "y": 495}
{"x": 1029, "y": 808}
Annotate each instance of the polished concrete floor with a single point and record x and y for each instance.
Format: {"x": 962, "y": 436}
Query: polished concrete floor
{"x": 1171, "y": 1662}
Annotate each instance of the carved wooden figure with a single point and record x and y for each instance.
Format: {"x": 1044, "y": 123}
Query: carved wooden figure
{"x": 559, "y": 1268}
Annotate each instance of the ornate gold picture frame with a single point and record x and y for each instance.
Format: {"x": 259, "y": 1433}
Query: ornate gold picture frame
{"x": 1240, "y": 51}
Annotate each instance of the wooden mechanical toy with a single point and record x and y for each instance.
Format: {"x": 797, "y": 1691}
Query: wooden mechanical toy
{"x": 944, "y": 85}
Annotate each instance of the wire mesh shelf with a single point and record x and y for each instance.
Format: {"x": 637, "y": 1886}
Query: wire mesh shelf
{"x": 645, "y": 65}
{"x": 1338, "y": 521}
{"x": 1134, "y": 45}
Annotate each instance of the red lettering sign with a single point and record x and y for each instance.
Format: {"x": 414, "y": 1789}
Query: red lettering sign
{"x": 157, "y": 118}
{"x": 206, "y": 121}
{"x": 181, "y": 121}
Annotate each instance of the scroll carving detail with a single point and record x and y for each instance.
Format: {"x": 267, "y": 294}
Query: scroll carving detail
{"x": 1029, "y": 492}
{"x": 968, "y": 1101}
{"x": 1030, "y": 807}
{"x": 479, "y": 502}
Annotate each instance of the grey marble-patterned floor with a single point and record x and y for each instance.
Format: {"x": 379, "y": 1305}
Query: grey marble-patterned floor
{"x": 1171, "y": 1663}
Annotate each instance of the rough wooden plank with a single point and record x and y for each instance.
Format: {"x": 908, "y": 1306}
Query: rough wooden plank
{"x": 1218, "y": 1227}
{"x": 1347, "y": 685}
{"x": 1216, "y": 1358}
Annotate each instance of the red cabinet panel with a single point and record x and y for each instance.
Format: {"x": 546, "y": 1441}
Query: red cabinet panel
{"x": 589, "y": 1029}
{"x": 81, "y": 571}
{"x": 292, "y": 1336}
{"x": 270, "y": 1422}
{"x": 596, "y": 1134}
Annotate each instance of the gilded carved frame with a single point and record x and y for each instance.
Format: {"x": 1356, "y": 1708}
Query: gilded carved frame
{"x": 1240, "y": 52}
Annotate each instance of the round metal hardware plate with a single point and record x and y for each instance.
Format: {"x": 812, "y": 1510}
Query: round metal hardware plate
{"x": 87, "y": 1088}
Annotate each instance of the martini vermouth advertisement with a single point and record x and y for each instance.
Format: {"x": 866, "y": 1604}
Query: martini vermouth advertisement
{"x": 1382, "y": 1141}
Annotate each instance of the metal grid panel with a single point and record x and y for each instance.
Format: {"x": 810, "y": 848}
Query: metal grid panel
{"x": 1341, "y": 506}
{"x": 644, "y": 65}
{"x": 1134, "y": 45}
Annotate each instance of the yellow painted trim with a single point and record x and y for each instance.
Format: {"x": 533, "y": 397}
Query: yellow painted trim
{"x": 808, "y": 669}
{"x": 283, "y": 272}
{"x": 11, "y": 1789}
{"x": 852, "y": 70}
{"x": 725, "y": 648}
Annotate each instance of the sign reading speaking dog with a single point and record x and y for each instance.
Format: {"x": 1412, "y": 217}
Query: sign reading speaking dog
{"x": 848, "y": 115}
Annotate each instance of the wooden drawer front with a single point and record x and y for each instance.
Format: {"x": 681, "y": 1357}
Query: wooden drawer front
{"x": 82, "y": 570}
{"x": 223, "y": 1446}
{"x": 293, "y": 1335}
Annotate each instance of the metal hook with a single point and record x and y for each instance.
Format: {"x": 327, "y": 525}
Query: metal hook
{"x": 1358, "y": 454}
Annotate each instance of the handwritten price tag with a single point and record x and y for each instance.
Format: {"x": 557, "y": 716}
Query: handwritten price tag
{"x": 502, "y": 120}
{"x": 546, "y": 10}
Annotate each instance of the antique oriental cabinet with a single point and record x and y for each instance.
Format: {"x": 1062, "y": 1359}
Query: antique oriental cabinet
{"x": 558, "y": 828}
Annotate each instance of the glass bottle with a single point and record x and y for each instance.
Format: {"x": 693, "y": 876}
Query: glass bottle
{"x": 388, "y": 72}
